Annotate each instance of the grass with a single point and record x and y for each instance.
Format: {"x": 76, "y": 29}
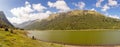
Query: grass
{"x": 19, "y": 39}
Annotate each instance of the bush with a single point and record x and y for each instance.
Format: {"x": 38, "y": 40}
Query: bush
{"x": 11, "y": 31}
{"x": 6, "y": 29}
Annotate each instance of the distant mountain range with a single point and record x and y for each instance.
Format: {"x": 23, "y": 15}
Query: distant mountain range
{"x": 4, "y": 21}
{"x": 75, "y": 20}
{"x": 24, "y": 24}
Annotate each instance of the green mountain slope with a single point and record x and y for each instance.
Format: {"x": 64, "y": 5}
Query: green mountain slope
{"x": 4, "y": 22}
{"x": 76, "y": 20}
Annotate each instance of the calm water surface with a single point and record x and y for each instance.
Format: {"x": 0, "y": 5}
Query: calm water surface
{"x": 79, "y": 37}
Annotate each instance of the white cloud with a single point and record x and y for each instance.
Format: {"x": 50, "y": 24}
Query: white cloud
{"x": 22, "y": 10}
{"x": 98, "y": 4}
{"x": 39, "y": 7}
{"x": 48, "y": 12}
{"x": 40, "y": 16}
{"x": 93, "y": 9}
{"x": 28, "y": 12}
{"x": 112, "y": 3}
{"x": 114, "y": 16}
{"x": 105, "y": 7}
{"x": 81, "y": 5}
{"x": 27, "y": 4}
{"x": 61, "y": 5}
{"x": 16, "y": 20}
{"x": 109, "y": 5}
{"x": 50, "y": 4}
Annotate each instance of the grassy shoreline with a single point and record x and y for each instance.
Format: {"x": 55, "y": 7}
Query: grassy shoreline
{"x": 19, "y": 39}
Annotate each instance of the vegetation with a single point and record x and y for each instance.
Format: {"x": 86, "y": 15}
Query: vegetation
{"x": 12, "y": 37}
{"x": 76, "y": 20}
{"x": 15, "y": 37}
{"x": 18, "y": 38}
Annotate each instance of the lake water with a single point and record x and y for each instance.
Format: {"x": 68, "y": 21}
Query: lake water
{"x": 79, "y": 37}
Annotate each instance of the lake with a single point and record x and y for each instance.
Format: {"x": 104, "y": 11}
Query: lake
{"x": 79, "y": 37}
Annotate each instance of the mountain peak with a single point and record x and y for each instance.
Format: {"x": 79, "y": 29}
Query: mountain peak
{"x": 2, "y": 14}
{"x": 83, "y": 12}
{"x": 1, "y": 11}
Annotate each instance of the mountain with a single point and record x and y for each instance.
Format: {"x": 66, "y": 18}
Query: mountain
{"x": 76, "y": 20}
{"x": 23, "y": 24}
{"x": 4, "y": 21}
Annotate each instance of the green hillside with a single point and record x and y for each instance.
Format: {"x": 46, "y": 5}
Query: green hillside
{"x": 76, "y": 20}
{"x": 19, "y": 39}
{"x": 4, "y": 23}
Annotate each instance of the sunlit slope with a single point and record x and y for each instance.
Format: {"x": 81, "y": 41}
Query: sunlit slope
{"x": 76, "y": 20}
{"x": 18, "y": 38}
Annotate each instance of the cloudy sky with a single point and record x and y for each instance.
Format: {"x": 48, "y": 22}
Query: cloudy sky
{"x": 19, "y": 11}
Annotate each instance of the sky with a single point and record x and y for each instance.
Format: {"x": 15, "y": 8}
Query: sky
{"x": 20, "y": 11}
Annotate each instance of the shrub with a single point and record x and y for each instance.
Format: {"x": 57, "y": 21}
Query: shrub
{"x": 6, "y": 29}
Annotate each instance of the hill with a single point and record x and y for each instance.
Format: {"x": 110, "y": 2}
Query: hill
{"x": 19, "y": 39}
{"x": 3, "y": 21}
{"x": 76, "y": 20}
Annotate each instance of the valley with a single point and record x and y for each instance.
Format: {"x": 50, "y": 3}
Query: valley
{"x": 78, "y": 28}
